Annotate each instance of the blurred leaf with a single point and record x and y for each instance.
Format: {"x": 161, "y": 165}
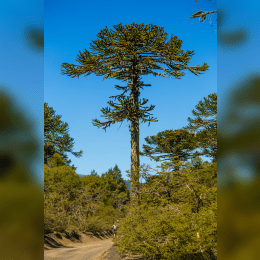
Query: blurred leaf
{"x": 246, "y": 137}
{"x": 232, "y": 39}
{"x": 21, "y": 221}
{"x": 18, "y": 144}
{"x": 21, "y": 212}
{"x": 35, "y": 37}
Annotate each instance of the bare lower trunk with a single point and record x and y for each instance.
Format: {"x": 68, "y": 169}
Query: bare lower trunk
{"x": 134, "y": 158}
{"x": 134, "y": 96}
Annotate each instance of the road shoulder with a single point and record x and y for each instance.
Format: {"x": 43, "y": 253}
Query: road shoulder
{"x": 110, "y": 254}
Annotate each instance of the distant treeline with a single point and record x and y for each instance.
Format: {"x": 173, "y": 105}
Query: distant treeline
{"x": 88, "y": 204}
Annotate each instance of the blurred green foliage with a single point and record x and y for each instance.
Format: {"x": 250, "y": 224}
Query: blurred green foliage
{"x": 21, "y": 196}
{"x": 238, "y": 160}
{"x": 34, "y": 36}
{"x": 239, "y": 186}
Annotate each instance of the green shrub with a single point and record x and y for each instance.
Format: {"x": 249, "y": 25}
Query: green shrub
{"x": 95, "y": 224}
{"x": 174, "y": 218}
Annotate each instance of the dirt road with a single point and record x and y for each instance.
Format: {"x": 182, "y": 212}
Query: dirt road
{"x": 84, "y": 251}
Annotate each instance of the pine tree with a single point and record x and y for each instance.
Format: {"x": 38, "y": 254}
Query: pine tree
{"x": 182, "y": 144}
{"x": 170, "y": 144}
{"x": 116, "y": 190}
{"x": 56, "y": 136}
{"x": 204, "y": 125}
{"x": 127, "y": 53}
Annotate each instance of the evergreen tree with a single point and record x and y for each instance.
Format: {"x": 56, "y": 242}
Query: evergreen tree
{"x": 116, "y": 190}
{"x": 182, "y": 144}
{"x": 56, "y": 136}
{"x": 204, "y": 125}
{"x": 127, "y": 53}
{"x": 170, "y": 144}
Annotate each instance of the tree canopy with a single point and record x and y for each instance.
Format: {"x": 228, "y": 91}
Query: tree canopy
{"x": 204, "y": 125}
{"x": 56, "y": 136}
{"x": 198, "y": 138}
{"x": 127, "y": 53}
{"x": 170, "y": 144}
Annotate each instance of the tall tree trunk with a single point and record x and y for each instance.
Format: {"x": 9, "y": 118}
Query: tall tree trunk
{"x": 135, "y": 163}
{"x": 134, "y": 157}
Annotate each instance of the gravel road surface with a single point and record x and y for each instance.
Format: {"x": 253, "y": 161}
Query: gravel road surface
{"x": 83, "y": 251}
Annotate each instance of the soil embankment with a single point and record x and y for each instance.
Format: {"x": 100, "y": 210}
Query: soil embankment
{"x": 71, "y": 241}
{"x": 56, "y": 240}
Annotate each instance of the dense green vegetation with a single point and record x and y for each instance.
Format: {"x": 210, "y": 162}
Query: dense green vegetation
{"x": 174, "y": 215}
{"x": 72, "y": 203}
{"x": 89, "y": 204}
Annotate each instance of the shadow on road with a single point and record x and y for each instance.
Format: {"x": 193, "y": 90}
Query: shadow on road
{"x": 53, "y": 244}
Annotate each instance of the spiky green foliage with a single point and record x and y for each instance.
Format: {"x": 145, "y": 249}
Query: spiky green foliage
{"x": 202, "y": 15}
{"x": 56, "y": 136}
{"x": 176, "y": 216}
{"x": 169, "y": 144}
{"x": 126, "y": 53}
{"x": 145, "y": 46}
{"x": 204, "y": 125}
{"x": 116, "y": 191}
{"x": 198, "y": 138}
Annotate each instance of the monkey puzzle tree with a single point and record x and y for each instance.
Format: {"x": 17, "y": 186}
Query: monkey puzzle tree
{"x": 204, "y": 125}
{"x": 56, "y": 136}
{"x": 170, "y": 144}
{"x": 126, "y": 53}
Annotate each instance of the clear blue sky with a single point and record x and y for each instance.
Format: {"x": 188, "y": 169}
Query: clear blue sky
{"x": 69, "y": 28}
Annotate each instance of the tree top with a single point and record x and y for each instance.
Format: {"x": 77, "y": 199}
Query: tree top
{"x": 144, "y": 46}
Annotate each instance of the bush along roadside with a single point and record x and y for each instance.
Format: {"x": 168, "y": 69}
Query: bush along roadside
{"x": 175, "y": 216}
{"x": 86, "y": 204}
